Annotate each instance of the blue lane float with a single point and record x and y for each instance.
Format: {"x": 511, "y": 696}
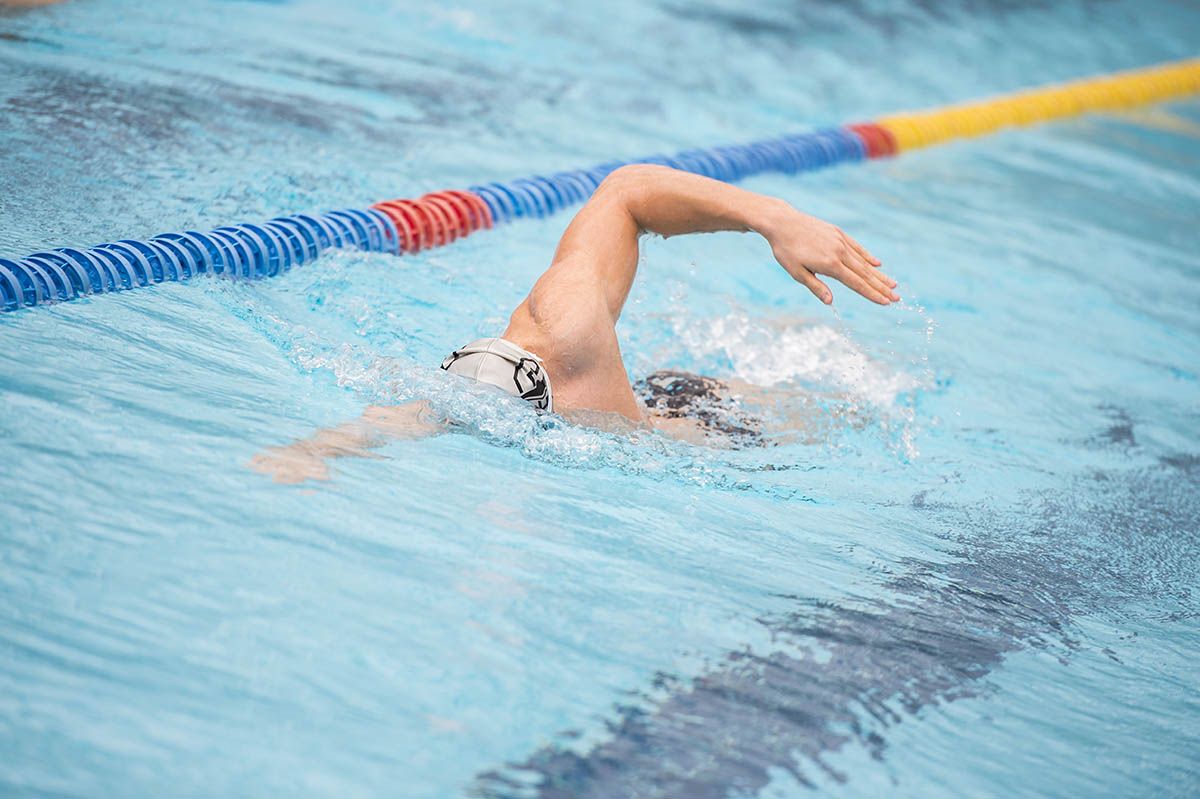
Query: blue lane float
{"x": 542, "y": 195}
{"x": 248, "y": 251}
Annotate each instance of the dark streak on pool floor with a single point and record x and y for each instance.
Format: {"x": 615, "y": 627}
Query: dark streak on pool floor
{"x": 947, "y": 628}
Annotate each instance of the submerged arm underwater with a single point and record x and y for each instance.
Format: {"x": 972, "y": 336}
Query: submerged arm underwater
{"x": 569, "y": 317}
{"x": 307, "y": 459}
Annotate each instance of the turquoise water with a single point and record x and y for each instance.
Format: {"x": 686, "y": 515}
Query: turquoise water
{"x": 976, "y": 574}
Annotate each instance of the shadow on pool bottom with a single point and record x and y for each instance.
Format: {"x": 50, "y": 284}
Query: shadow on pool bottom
{"x": 947, "y": 626}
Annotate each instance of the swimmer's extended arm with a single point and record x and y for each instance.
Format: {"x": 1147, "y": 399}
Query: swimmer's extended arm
{"x": 603, "y": 237}
{"x": 308, "y": 458}
{"x": 570, "y": 315}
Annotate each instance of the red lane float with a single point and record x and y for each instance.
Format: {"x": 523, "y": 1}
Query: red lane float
{"x": 437, "y": 218}
{"x": 879, "y": 140}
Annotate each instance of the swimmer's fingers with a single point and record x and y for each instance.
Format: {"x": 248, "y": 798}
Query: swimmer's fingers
{"x": 814, "y": 284}
{"x": 855, "y": 258}
{"x": 870, "y": 265}
{"x": 861, "y": 250}
{"x": 855, "y": 281}
{"x": 855, "y": 254}
{"x": 873, "y": 277}
{"x": 870, "y": 262}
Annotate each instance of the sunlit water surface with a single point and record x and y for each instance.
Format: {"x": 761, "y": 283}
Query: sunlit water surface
{"x": 975, "y": 571}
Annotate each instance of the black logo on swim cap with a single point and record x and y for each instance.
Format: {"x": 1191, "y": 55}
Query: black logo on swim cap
{"x": 531, "y": 382}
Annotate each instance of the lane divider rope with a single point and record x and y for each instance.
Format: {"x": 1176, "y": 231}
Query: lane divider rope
{"x": 401, "y": 226}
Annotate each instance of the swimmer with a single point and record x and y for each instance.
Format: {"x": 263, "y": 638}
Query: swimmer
{"x": 560, "y": 351}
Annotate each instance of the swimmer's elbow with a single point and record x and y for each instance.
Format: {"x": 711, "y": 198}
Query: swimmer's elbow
{"x": 629, "y": 183}
{"x": 633, "y": 175}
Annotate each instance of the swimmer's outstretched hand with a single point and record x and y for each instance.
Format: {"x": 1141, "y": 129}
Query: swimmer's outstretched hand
{"x": 289, "y": 466}
{"x": 806, "y": 247}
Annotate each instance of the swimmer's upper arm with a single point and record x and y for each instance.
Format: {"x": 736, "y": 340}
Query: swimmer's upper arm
{"x": 601, "y": 243}
{"x": 598, "y": 254}
{"x": 574, "y": 306}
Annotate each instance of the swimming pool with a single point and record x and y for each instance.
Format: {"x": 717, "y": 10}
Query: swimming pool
{"x": 976, "y": 575}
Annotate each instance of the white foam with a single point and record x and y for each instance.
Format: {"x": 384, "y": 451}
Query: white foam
{"x": 812, "y": 355}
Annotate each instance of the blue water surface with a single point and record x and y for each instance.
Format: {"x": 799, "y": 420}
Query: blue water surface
{"x": 973, "y": 570}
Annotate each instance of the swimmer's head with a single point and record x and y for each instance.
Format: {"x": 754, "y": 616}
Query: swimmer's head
{"x": 705, "y": 401}
{"x": 501, "y": 363}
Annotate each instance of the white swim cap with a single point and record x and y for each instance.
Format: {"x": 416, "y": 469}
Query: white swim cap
{"x": 501, "y": 363}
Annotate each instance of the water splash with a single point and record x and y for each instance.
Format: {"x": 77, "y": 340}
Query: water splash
{"x": 823, "y": 366}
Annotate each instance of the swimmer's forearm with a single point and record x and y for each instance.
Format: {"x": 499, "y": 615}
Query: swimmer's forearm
{"x": 308, "y": 459}
{"x": 377, "y": 427}
{"x": 349, "y": 439}
{"x": 670, "y": 202}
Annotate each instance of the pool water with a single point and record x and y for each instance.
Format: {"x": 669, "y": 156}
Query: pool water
{"x": 975, "y": 573}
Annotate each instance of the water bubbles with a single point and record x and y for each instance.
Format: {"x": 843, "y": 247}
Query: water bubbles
{"x": 800, "y": 353}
